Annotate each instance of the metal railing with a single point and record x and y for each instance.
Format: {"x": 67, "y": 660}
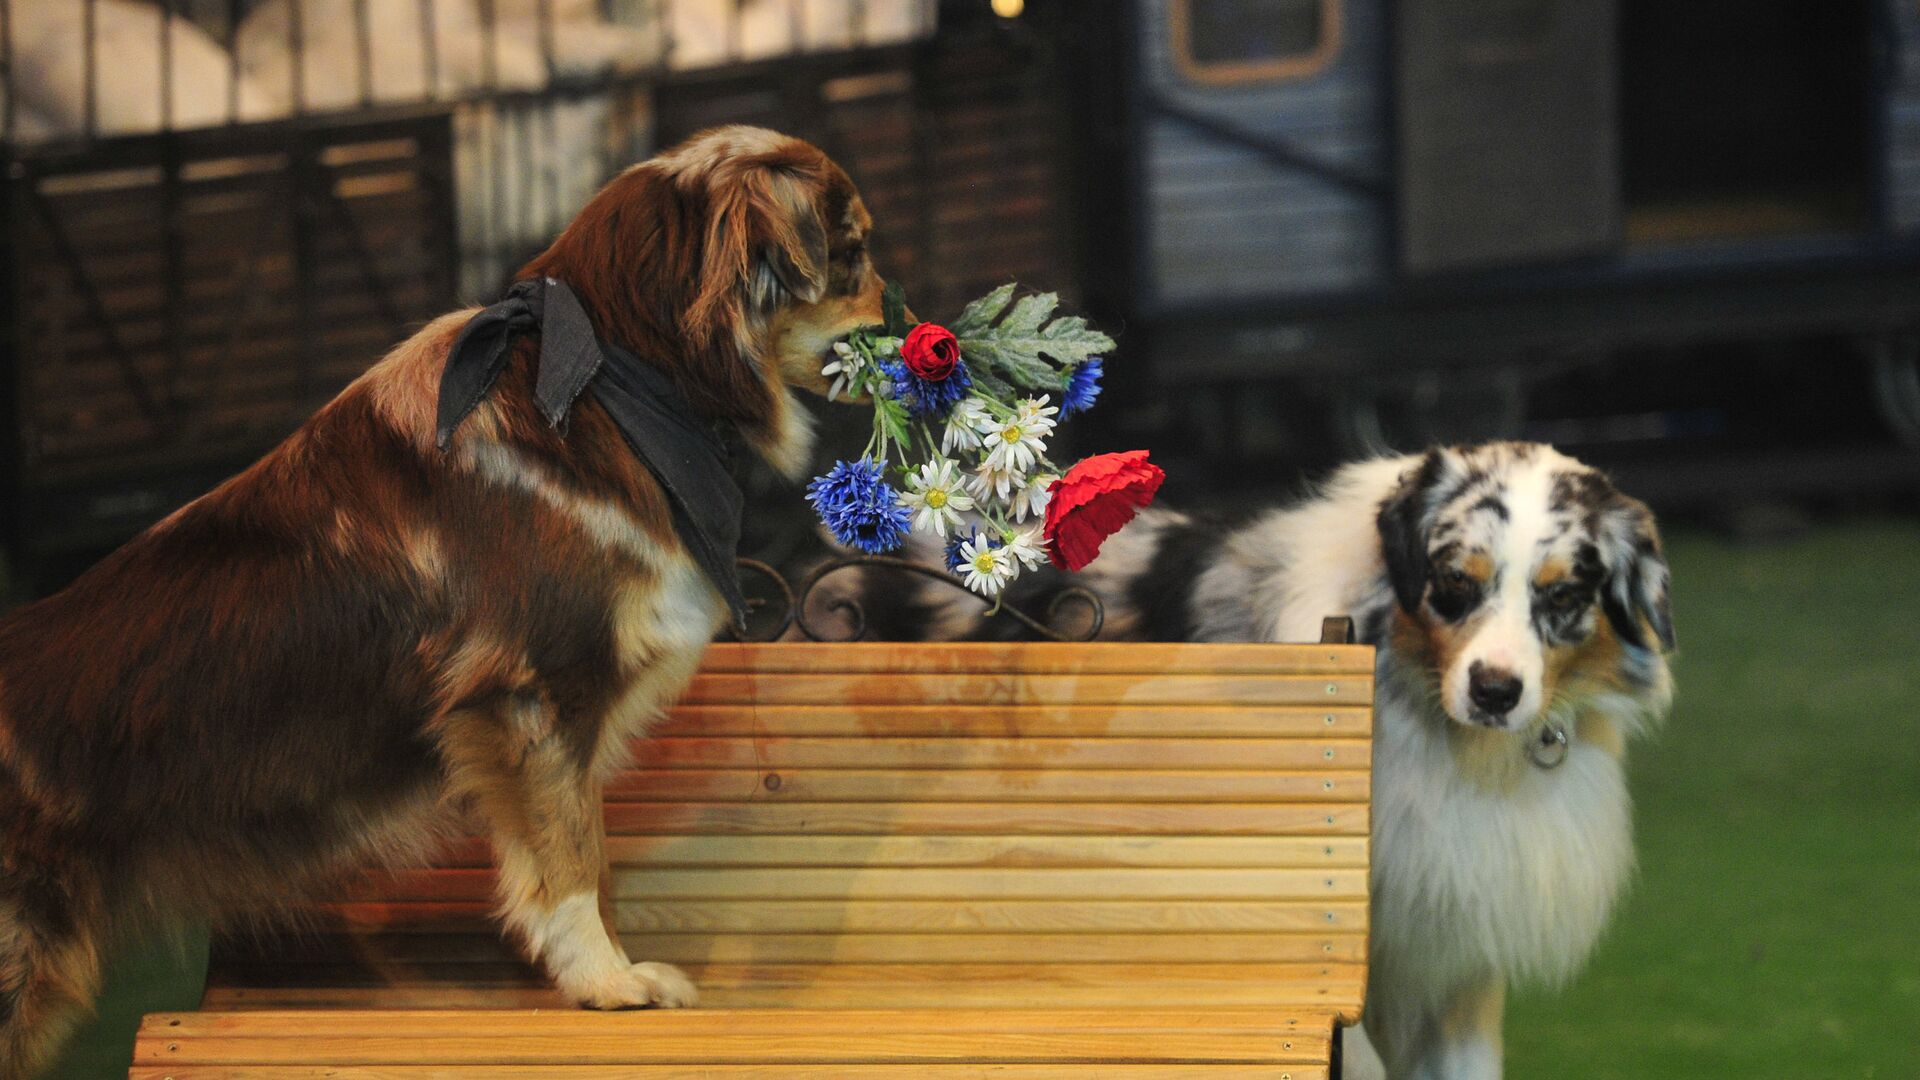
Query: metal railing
{"x": 778, "y": 611}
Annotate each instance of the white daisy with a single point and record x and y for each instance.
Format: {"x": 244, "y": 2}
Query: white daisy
{"x": 960, "y": 433}
{"x": 987, "y": 568}
{"x": 842, "y": 368}
{"x": 1035, "y": 412}
{"x": 1028, "y": 546}
{"x": 1017, "y": 443}
{"x": 988, "y": 484}
{"x": 935, "y": 496}
{"x": 1032, "y": 498}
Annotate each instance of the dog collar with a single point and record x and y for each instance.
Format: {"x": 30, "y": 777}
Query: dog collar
{"x": 688, "y": 457}
{"x": 1549, "y": 749}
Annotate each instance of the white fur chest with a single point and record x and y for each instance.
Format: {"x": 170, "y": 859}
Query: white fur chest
{"x": 1468, "y": 881}
{"x": 679, "y": 614}
{"x": 662, "y": 627}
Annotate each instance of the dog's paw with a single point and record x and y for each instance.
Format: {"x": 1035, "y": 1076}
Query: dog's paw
{"x": 644, "y": 986}
{"x": 670, "y": 986}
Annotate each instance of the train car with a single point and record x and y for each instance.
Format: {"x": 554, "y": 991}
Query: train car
{"x": 1417, "y": 209}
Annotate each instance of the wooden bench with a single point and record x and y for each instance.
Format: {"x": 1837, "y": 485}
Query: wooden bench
{"x": 944, "y": 861}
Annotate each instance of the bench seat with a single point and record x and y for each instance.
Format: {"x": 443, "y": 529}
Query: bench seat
{"x": 1031, "y": 860}
{"x": 1216, "y": 1044}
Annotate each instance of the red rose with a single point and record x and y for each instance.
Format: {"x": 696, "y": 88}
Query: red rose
{"x": 930, "y": 351}
{"x": 1092, "y": 502}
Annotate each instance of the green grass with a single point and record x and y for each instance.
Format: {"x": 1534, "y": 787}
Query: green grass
{"x": 163, "y": 975}
{"x": 1774, "y": 929}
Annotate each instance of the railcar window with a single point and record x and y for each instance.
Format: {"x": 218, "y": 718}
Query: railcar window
{"x": 1744, "y": 119}
{"x": 1235, "y": 41}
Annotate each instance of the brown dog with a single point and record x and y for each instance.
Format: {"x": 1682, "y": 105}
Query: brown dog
{"x": 292, "y": 674}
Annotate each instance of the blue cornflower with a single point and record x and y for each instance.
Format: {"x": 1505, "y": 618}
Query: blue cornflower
{"x": 923, "y": 397}
{"x": 1083, "y": 385}
{"x": 860, "y": 508}
{"x": 953, "y": 548}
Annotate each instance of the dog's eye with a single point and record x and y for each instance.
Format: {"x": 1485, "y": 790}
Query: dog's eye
{"x": 1455, "y": 593}
{"x": 1564, "y": 597}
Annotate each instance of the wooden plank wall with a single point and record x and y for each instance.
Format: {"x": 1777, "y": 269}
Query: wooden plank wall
{"x": 906, "y": 826}
{"x": 248, "y": 275}
{"x": 955, "y": 145}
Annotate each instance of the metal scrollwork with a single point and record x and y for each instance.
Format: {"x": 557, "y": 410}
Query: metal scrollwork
{"x": 761, "y": 627}
{"x": 797, "y": 606}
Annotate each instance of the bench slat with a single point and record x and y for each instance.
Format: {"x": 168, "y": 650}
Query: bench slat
{"x": 263, "y": 1023}
{"x": 984, "y": 785}
{"x": 917, "y": 1071}
{"x": 187, "y": 1045}
{"x": 741, "y": 1046}
{"x": 484, "y": 944}
{"x": 929, "y": 916}
{"x": 987, "y": 691}
{"x": 1039, "y": 656}
{"x": 781, "y": 752}
{"x": 1335, "y": 987}
{"x": 1165, "y": 722}
{"x": 985, "y": 851}
{"x": 1037, "y": 818}
{"x": 941, "y": 883}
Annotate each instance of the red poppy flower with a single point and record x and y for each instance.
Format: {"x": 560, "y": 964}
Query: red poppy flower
{"x": 931, "y": 351}
{"x": 1092, "y": 502}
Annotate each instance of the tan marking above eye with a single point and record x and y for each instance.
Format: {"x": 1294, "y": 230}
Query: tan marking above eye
{"x": 1551, "y": 572}
{"x": 1478, "y": 566}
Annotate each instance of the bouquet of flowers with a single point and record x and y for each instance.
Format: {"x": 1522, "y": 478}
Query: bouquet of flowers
{"x": 961, "y": 418}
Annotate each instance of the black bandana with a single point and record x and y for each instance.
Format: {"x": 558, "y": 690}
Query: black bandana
{"x": 684, "y": 453}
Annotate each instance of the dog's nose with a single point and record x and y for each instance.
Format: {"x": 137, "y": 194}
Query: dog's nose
{"x": 1494, "y": 690}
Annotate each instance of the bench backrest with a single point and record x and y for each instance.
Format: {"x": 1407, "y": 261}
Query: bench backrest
{"x": 886, "y": 825}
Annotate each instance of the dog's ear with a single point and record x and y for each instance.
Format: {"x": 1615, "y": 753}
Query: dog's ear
{"x": 765, "y": 243}
{"x": 1635, "y": 594}
{"x": 1403, "y": 530}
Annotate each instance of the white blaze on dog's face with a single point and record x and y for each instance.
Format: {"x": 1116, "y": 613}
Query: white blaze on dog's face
{"x": 1520, "y": 573}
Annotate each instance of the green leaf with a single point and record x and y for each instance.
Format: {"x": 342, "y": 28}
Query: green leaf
{"x": 980, "y": 314}
{"x": 893, "y": 305}
{"x": 1025, "y": 349}
{"x": 893, "y": 421}
{"x": 1028, "y": 315}
{"x": 1068, "y": 326}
